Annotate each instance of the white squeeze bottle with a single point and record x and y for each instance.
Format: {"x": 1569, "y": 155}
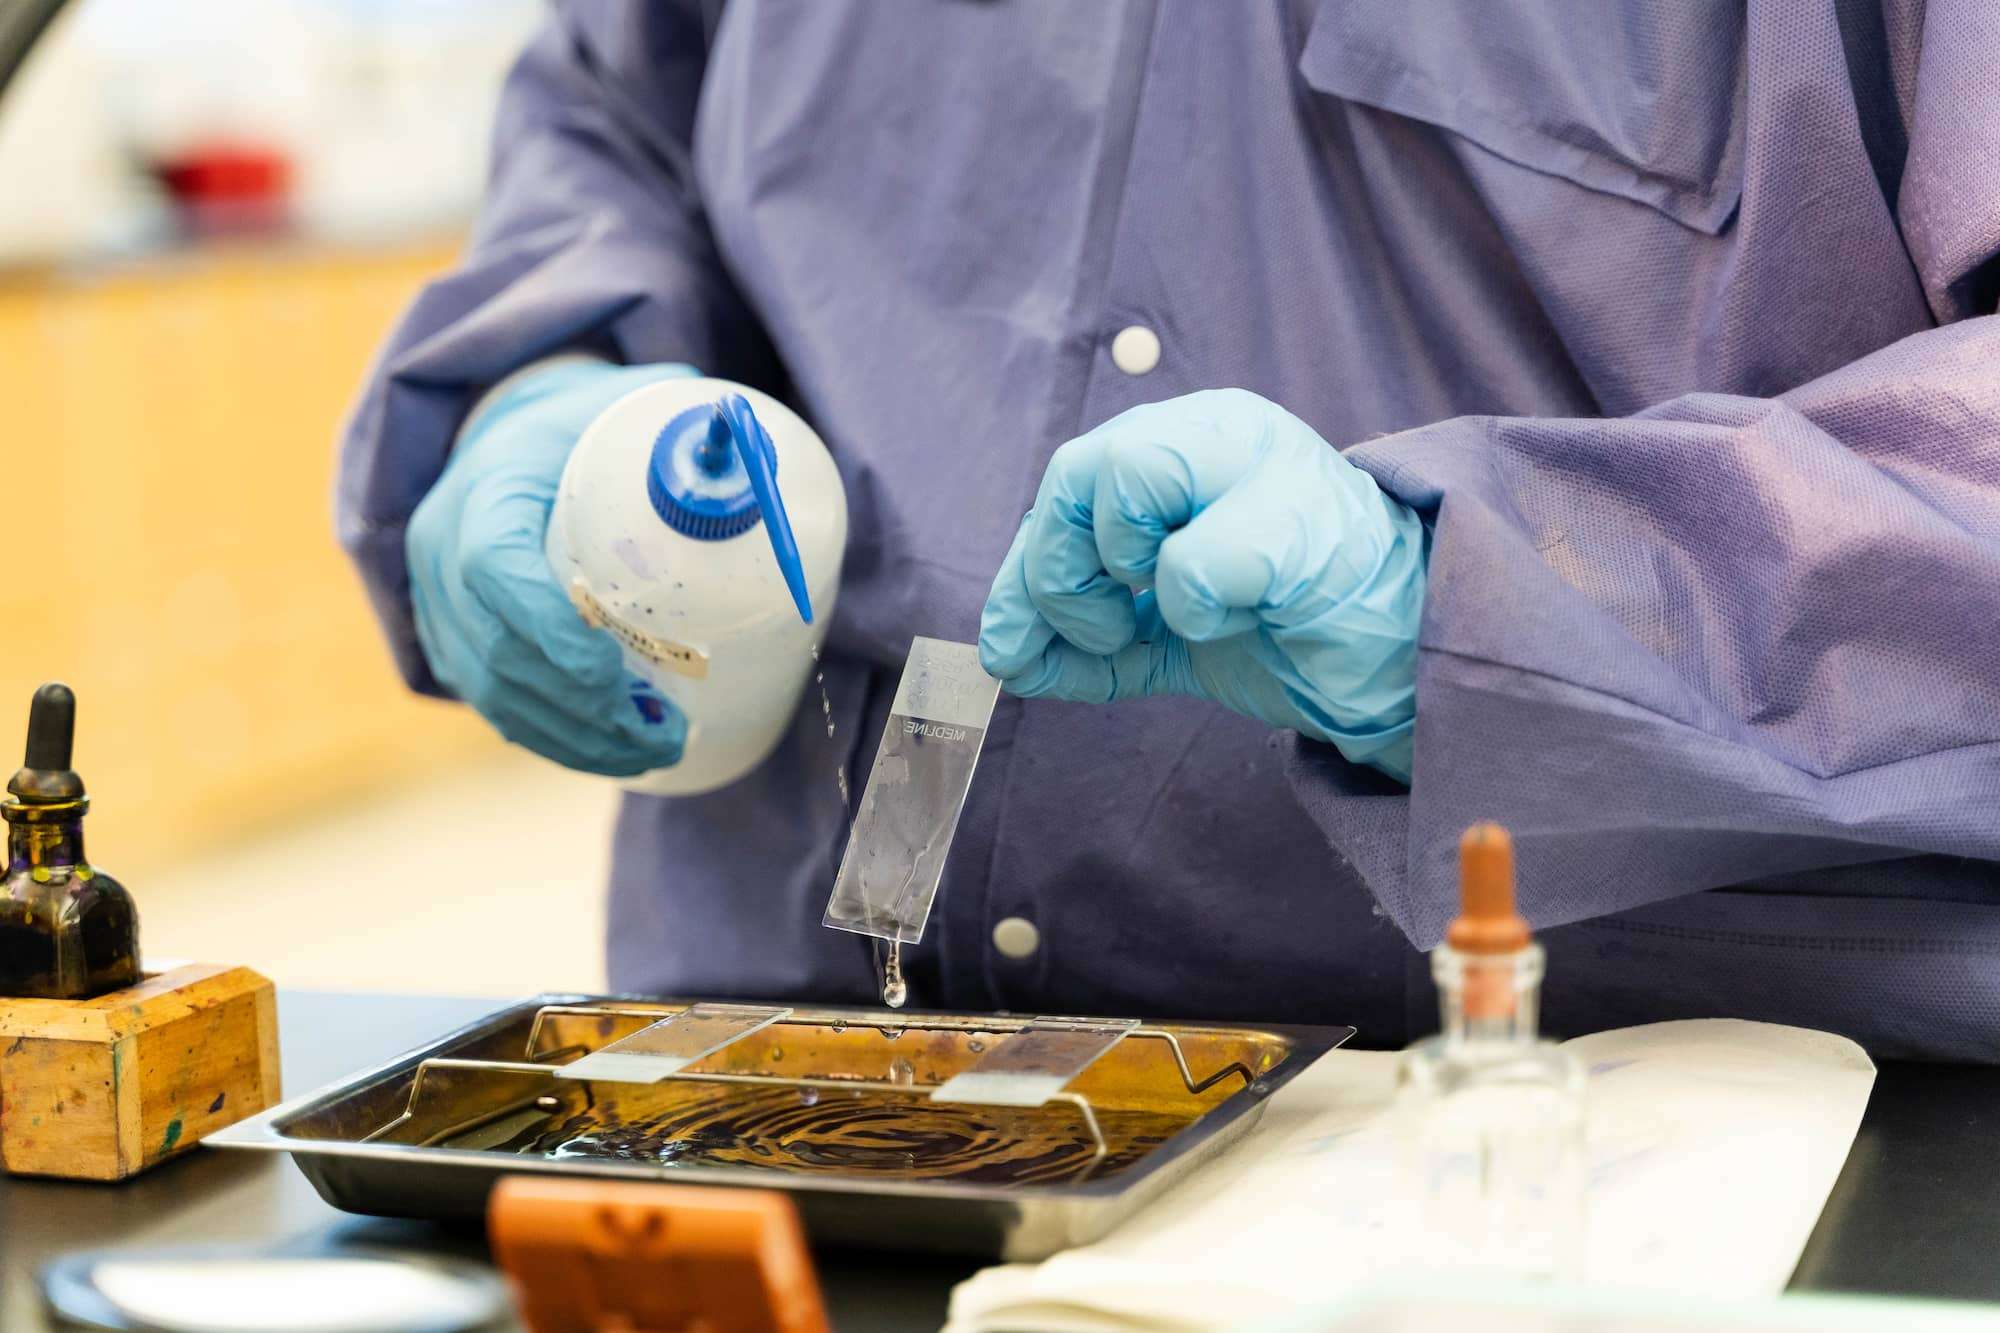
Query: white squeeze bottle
{"x": 702, "y": 523}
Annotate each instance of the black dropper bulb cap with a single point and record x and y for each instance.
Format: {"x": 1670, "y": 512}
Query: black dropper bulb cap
{"x": 45, "y": 774}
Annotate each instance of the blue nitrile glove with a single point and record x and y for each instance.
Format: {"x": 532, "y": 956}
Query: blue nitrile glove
{"x": 1214, "y": 545}
{"x": 497, "y": 630}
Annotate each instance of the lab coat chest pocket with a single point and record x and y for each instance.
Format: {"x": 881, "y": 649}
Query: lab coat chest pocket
{"x": 1639, "y": 100}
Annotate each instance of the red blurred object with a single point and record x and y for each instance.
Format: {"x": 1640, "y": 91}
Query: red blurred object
{"x": 230, "y": 185}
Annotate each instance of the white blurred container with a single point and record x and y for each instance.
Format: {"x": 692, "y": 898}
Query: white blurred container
{"x": 717, "y": 574}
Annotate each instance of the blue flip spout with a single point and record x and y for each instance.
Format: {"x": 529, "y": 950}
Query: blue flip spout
{"x": 758, "y": 456}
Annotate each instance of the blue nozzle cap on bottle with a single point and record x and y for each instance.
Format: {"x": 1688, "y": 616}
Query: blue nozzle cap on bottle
{"x": 713, "y": 475}
{"x": 760, "y": 459}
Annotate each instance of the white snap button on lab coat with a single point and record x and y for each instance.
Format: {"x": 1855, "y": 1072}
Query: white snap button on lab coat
{"x": 1135, "y": 350}
{"x": 1016, "y": 937}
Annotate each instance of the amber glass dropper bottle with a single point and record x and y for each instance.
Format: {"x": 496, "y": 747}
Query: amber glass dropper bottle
{"x": 67, "y": 930}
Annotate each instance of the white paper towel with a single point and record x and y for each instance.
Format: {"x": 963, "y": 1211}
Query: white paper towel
{"x": 1713, "y": 1144}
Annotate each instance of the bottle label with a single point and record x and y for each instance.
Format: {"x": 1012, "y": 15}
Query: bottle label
{"x": 678, "y": 658}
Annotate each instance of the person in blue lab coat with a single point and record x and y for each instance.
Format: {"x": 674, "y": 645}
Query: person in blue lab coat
{"x": 1585, "y": 417}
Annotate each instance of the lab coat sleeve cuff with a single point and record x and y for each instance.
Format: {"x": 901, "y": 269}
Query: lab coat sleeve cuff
{"x": 492, "y": 396}
{"x": 1721, "y": 641}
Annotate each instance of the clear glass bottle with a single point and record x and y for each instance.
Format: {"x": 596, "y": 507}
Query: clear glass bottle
{"x": 1491, "y": 1116}
{"x": 68, "y": 931}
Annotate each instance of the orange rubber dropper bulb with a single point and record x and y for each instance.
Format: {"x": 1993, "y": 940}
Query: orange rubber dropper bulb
{"x": 1488, "y": 928}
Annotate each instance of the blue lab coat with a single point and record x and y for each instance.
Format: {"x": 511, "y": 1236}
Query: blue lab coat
{"x": 1674, "y": 318}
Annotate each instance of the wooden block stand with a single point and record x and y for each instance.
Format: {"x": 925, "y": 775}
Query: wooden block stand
{"x": 102, "y": 1089}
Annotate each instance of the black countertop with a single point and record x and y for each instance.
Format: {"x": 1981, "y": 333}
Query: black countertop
{"x": 1916, "y": 1211}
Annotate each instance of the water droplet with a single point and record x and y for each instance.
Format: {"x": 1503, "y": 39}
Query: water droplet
{"x": 975, "y": 1046}
{"x": 777, "y": 1052}
{"x": 808, "y": 1096}
{"x": 548, "y": 1103}
{"x": 895, "y": 994}
{"x": 892, "y": 1033}
{"x": 839, "y": 1026}
{"x": 826, "y": 711}
{"x": 902, "y": 1072}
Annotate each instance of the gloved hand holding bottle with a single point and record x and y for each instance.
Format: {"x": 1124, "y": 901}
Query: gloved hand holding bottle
{"x": 495, "y": 627}
{"x": 1215, "y": 545}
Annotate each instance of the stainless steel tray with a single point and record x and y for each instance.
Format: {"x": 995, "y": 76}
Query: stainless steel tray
{"x": 831, "y": 1105}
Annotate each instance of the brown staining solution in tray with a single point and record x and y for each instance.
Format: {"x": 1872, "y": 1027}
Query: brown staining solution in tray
{"x": 833, "y": 1131}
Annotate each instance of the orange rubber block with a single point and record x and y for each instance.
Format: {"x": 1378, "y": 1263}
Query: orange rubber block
{"x": 626, "y": 1257}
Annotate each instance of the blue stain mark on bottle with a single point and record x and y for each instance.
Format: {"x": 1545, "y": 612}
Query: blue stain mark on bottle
{"x": 650, "y": 703}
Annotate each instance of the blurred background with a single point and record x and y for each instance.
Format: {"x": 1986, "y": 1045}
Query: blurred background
{"x": 209, "y": 216}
